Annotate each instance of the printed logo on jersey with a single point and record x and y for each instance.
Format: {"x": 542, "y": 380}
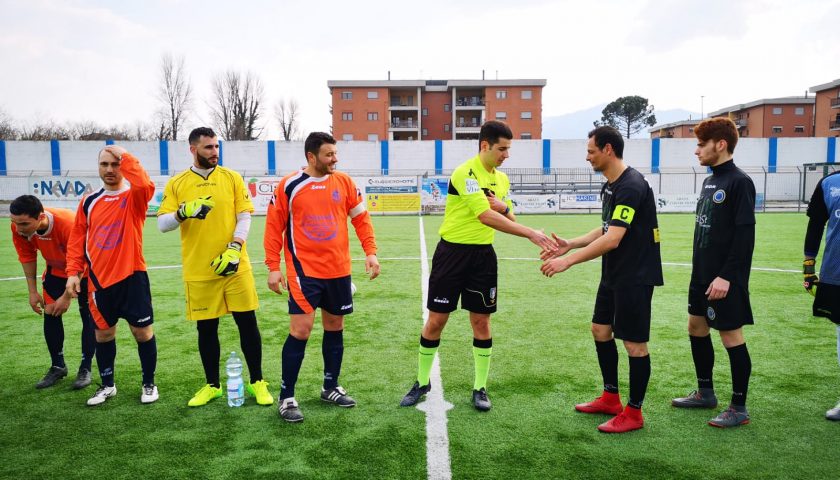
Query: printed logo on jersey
{"x": 837, "y": 213}
{"x": 719, "y": 196}
{"x": 107, "y": 237}
{"x": 834, "y": 191}
{"x": 335, "y": 196}
{"x": 319, "y": 227}
{"x": 710, "y": 312}
{"x": 472, "y": 186}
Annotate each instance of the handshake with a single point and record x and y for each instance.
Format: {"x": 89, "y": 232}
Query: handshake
{"x": 198, "y": 208}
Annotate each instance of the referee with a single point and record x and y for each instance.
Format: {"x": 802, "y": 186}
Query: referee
{"x": 464, "y": 263}
{"x": 628, "y": 244}
{"x": 718, "y": 295}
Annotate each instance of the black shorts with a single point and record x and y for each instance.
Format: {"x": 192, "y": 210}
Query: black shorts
{"x": 626, "y": 309}
{"x": 729, "y": 313}
{"x": 468, "y": 272}
{"x": 130, "y": 298}
{"x": 54, "y": 287}
{"x": 333, "y": 295}
{"x": 827, "y": 302}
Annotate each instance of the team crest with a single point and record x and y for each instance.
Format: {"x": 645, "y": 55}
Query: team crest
{"x": 319, "y": 227}
{"x": 335, "y": 196}
{"x": 493, "y": 295}
{"x": 710, "y": 312}
{"x": 719, "y": 196}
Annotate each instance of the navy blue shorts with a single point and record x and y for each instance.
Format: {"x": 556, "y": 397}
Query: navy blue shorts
{"x": 729, "y": 313}
{"x": 54, "y": 287}
{"x": 332, "y": 295}
{"x": 130, "y": 298}
{"x": 827, "y": 302}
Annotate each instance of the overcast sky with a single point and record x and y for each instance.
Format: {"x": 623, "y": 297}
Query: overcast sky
{"x": 75, "y": 60}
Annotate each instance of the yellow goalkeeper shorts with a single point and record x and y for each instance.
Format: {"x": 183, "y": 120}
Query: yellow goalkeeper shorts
{"x": 214, "y": 298}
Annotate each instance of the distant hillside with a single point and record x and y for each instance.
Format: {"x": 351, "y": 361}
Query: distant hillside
{"x": 578, "y": 124}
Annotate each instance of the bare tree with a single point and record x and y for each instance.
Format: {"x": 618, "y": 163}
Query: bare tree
{"x": 236, "y": 105}
{"x": 43, "y": 130}
{"x": 175, "y": 93}
{"x": 8, "y": 130}
{"x": 286, "y": 111}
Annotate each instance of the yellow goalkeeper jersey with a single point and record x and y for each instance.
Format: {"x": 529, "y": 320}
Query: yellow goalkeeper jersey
{"x": 204, "y": 240}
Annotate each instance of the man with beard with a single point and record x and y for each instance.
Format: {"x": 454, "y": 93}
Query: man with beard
{"x": 212, "y": 208}
{"x": 628, "y": 244}
{"x": 307, "y": 219}
{"x": 107, "y": 241}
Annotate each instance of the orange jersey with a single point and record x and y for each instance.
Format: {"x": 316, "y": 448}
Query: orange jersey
{"x": 52, "y": 243}
{"x": 108, "y": 233}
{"x": 308, "y": 217}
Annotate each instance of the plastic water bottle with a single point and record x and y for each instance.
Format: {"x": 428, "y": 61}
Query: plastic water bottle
{"x": 235, "y": 387}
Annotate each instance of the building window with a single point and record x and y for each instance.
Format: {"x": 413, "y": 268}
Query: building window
{"x": 777, "y": 129}
{"x": 501, "y": 94}
{"x": 425, "y": 132}
{"x": 799, "y": 129}
{"x": 425, "y": 112}
{"x": 373, "y": 95}
{"x": 777, "y": 110}
{"x": 799, "y": 111}
{"x": 526, "y": 94}
{"x": 525, "y": 115}
{"x": 525, "y": 136}
{"x": 372, "y": 137}
{"x": 347, "y": 116}
{"x": 445, "y": 127}
{"x": 501, "y": 115}
{"x": 347, "y": 137}
{"x": 347, "y": 95}
{"x": 373, "y": 116}
{"x": 690, "y": 129}
{"x": 446, "y": 107}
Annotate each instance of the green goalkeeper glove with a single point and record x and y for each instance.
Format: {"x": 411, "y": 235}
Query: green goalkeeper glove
{"x": 809, "y": 276}
{"x": 198, "y": 208}
{"x": 228, "y": 262}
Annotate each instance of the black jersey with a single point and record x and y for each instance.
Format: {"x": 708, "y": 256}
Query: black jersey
{"x": 724, "y": 232}
{"x": 628, "y": 202}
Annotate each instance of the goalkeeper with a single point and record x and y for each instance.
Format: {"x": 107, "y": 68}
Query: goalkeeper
{"x": 212, "y": 208}
{"x": 825, "y": 208}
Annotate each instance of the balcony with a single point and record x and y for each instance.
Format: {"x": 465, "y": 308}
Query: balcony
{"x": 835, "y": 102}
{"x": 740, "y": 122}
{"x": 404, "y": 124}
{"x": 469, "y": 102}
{"x": 835, "y": 125}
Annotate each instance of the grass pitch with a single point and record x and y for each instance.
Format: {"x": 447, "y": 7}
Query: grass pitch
{"x": 543, "y": 362}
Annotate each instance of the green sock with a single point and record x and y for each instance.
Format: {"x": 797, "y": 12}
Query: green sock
{"x": 482, "y": 366}
{"x": 424, "y": 364}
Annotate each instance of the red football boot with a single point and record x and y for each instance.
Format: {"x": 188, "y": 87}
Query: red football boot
{"x": 609, "y": 403}
{"x": 628, "y": 420}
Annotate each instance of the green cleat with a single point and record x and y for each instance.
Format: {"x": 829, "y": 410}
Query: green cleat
{"x": 205, "y": 395}
{"x": 259, "y": 389}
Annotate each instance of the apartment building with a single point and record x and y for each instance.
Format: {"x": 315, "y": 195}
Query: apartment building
{"x": 681, "y": 129}
{"x": 376, "y": 110}
{"x": 827, "y": 109}
{"x": 772, "y": 117}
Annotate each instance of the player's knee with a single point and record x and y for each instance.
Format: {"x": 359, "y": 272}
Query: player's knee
{"x": 635, "y": 349}
{"x": 143, "y": 334}
{"x": 601, "y": 333}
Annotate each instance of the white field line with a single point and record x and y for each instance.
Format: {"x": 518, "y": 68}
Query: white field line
{"x": 435, "y": 407}
{"x": 423, "y": 247}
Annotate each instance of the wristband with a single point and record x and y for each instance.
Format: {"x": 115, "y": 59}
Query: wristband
{"x": 507, "y": 210}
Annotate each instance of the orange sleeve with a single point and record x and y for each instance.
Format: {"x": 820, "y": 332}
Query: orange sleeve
{"x": 361, "y": 221}
{"x": 26, "y": 252}
{"x": 142, "y": 187}
{"x": 275, "y": 227}
{"x": 76, "y": 244}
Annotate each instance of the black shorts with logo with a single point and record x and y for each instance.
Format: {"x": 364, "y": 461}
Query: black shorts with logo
{"x": 130, "y": 298}
{"x": 626, "y": 309}
{"x": 468, "y": 272}
{"x": 729, "y": 313}
{"x": 333, "y": 295}
{"x": 827, "y": 302}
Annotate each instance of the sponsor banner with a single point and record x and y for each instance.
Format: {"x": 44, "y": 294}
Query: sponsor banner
{"x": 580, "y": 200}
{"x": 391, "y": 194}
{"x": 677, "y": 202}
{"x": 433, "y": 194}
{"x": 261, "y": 190}
{"x": 154, "y": 203}
{"x": 535, "y": 203}
{"x": 62, "y": 192}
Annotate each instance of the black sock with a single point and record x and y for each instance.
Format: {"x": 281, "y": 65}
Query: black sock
{"x": 105, "y": 354}
{"x": 639, "y": 377}
{"x": 608, "y": 360}
{"x": 293, "y": 352}
{"x": 741, "y": 365}
{"x": 703, "y": 353}
{"x": 332, "y": 348}
{"x": 251, "y": 342}
{"x": 209, "y": 349}
{"x": 54, "y": 335}
{"x": 88, "y": 340}
{"x": 148, "y": 359}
